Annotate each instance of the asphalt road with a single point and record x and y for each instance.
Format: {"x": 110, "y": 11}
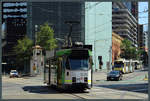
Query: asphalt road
{"x": 131, "y": 82}
{"x": 131, "y": 87}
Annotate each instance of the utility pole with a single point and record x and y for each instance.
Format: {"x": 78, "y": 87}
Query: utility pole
{"x": 36, "y": 29}
{"x": 35, "y": 42}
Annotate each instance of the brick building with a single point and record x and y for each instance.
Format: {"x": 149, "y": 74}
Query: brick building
{"x": 116, "y": 42}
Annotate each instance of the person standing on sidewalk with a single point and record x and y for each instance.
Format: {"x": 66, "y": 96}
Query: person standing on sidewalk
{"x": 100, "y": 65}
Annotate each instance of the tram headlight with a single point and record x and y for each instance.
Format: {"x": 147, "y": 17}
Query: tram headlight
{"x": 73, "y": 79}
{"x": 85, "y": 79}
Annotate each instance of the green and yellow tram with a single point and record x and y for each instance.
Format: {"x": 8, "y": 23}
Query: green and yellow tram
{"x": 70, "y": 68}
{"x": 119, "y": 65}
{"x": 123, "y": 65}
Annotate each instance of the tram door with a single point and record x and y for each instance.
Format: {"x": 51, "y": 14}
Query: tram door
{"x": 47, "y": 72}
{"x": 59, "y": 72}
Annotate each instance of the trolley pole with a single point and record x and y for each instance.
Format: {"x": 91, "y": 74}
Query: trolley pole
{"x": 70, "y": 23}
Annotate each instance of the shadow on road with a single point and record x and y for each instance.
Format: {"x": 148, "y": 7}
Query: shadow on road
{"x": 50, "y": 90}
{"x": 39, "y": 89}
{"x": 140, "y": 88}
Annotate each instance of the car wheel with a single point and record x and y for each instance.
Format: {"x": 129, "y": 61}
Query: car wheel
{"x": 121, "y": 78}
{"x": 118, "y": 78}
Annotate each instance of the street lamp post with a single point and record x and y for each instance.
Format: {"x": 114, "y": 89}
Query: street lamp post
{"x": 35, "y": 42}
{"x": 36, "y": 29}
{"x": 4, "y": 66}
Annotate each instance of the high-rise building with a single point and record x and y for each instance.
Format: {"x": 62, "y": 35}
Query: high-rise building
{"x": 56, "y": 13}
{"x": 124, "y": 23}
{"x": 132, "y": 7}
{"x": 116, "y": 42}
{"x": 140, "y": 37}
{"x": 98, "y": 32}
{"x": 134, "y": 10}
{"x": 128, "y": 5}
{"x": 14, "y": 16}
{"x": 146, "y": 40}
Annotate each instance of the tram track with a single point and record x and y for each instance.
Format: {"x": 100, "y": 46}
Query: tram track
{"x": 77, "y": 94}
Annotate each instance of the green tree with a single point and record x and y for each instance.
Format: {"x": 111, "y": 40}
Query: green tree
{"x": 125, "y": 47}
{"x": 45, "y": 37}
{"x": 140, "y": 53}
{"x": 128, "y": 51}
{"x": 23, "y": 51}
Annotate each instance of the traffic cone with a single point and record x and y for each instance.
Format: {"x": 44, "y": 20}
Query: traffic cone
{"x": 146, "y": 77}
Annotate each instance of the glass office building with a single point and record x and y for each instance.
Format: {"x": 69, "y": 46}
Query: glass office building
{"x": 56, "y": 13}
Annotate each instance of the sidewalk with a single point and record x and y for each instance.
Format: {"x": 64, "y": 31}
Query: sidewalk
{"x": 100, "y": 75}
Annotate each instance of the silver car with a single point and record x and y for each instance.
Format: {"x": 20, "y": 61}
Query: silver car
{"x": 13, "y": 73}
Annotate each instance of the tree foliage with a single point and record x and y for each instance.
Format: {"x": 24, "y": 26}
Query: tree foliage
{"x": 23, "y": 50}
{"x": 45, "y": 37}
{"x": 129, "y": 51}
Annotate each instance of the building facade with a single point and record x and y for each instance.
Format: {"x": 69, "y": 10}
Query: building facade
{"x": 141, "y": 37}
{"x": 56, "y": 13}
{"x": 93, "y": 29}
{"x": 98, "y": 32}
{"x": 14, "y": 15}
{"x": 133, "y": 8}
{"x": 116, "y": 42}
{"x": 124, "y": 23}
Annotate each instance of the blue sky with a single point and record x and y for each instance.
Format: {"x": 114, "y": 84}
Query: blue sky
{"x": 143, "y": 17}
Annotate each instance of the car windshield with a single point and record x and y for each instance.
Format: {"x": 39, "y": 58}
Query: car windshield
{"x": 114, "y": 72}
{"x": 79, "y": 64}
{"x": 13, "y": 72}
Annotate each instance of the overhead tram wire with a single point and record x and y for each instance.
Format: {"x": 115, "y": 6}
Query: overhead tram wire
{"x": 90, "y": 14}
{"x": 84, "y": 14}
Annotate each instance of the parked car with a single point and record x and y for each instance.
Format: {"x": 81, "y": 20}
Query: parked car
{"x": 13, "y": 73}
{"x": 114, "y": 75}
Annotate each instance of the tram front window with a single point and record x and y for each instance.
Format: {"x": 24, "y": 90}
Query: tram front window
{"x": 79, "y": 64}
{"x": 118, "y": 64}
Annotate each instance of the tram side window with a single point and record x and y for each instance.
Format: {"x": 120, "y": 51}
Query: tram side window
{"x": 54, "y": 63}
{"x": 127, "y": 64}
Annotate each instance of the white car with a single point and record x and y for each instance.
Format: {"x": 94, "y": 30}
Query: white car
{"x": 13, "y": 73}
